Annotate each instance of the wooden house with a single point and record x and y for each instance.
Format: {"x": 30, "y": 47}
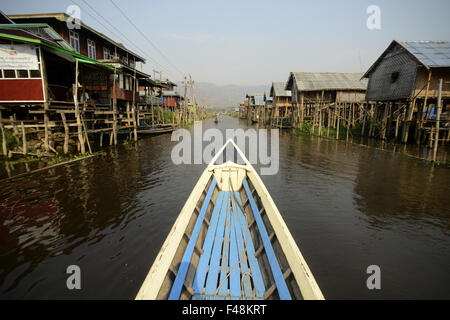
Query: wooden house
{"x": 282, "y": 114}
{"x": 268, "y": 109}
{"x": 327, "y": 98}
{"x": 96, "y": 46}
{"x": 243, "y": 109}
{"x": 53, "y": 82}
{"x": 255, "y": 106}
{"x": 404, "y": 81}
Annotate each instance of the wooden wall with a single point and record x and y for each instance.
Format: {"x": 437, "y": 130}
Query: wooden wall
{"x": 394, "y": 77}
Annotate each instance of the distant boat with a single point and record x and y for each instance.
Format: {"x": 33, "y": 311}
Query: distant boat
{"x": 229, "y": 242}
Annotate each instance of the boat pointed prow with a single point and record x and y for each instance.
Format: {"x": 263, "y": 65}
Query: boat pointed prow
{"x": 230, "y": 242}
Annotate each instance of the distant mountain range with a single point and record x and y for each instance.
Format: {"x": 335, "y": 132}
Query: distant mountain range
{"x": 221, "y": 96}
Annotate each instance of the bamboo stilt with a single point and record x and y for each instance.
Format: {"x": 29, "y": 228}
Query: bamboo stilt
{"x": 24, "y": 140}
{"x": 66, "y": 134}
{"x": 438, "y": 117}
{"x": 4, "y": 147}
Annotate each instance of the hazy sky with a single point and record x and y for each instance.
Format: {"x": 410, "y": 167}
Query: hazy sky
{"x": 250, "y": 42}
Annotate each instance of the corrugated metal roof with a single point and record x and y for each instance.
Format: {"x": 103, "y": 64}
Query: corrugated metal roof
{"x": 278, "y": 90}
{"x": 61, "y": 16}
{"x": 40, "y": 31}
{"x": 432, "y": 54}
{"x": 312, "y": 81}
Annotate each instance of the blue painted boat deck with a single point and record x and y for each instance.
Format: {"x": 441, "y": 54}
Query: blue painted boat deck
{"x": 228, "y": 268}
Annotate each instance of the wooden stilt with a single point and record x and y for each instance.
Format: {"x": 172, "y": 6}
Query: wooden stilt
{"x": 77, "y": 111}
{"x": 4, "y": 147}
{"x": 438, "y": 117}
{"x": 407, "y": 123}
{"x": 66, "y": 133}
{"x": 397, "y": 120}
{"x": 419, "y": 126}
{"x": 348, "y": 121}
{"x": 338, "y": 116}
{"x": 384, "y": 125}
{"x": 363, "y": 110}
{"x": 24, "y": 140}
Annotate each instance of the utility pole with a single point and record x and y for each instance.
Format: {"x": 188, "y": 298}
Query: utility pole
{"x": 185, "y": 101}
{"x": 194, "y": 104}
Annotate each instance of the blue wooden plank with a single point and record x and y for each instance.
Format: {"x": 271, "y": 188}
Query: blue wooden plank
{"x": 254, "y": 265}
{"x": 235, "y": 279}
{"x": 202, "y": 268}
{"x": 213, "y": 273}
{"x": 244, "y": 276}
{"x": 186, "y": 261}
{"x": 283, "y": 291}
{"x": 223, "y": 280}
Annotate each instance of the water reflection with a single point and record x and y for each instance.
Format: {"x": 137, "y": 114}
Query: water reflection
{"x": 393, "y": 189}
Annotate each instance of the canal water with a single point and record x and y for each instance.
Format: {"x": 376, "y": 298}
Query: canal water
{"x": 347, "y": 206}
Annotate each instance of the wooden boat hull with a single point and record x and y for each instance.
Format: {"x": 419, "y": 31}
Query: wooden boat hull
{"x": 229, "y": 242}
{"x": 155, "y": 132}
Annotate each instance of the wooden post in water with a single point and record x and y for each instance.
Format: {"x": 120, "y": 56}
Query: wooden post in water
{"x": 66, "y": 133}
{"x": 407, "y": 123}
{"x": 114, "y": 127}
{"x": 419, "y": 127}
{"x": 134, "y": 110}
{"x": 86, "y": 134}
{"x": 363, "y": 109}
{"x": 24, "y": 140}
{"x": 46, "y": 98}
{"x": 338, "y": 119}
{"x": 397, "y": 120}
{"x": 347, "y": 118}
{"x": 372, "y": 120}
{"x": 4, "y": 148}
{"x": 384, "y": 125}
{"x": 151, "y": 106}
{"x": 77, "y": 110}
{"x": 438, "y": 118}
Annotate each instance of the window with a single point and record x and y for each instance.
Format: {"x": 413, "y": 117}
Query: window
{"x": 35, "y": 73}
{"x": 74, "y": 40}
{"x": 106, "y": 54}
{"x": 91, "y": 49}
{"x": 127, "y": 83}
{"x": 121, "y": 81}
{"x": 10, "y": 74}
{"x": 394, "y": 76}
{"x": 124, "y": 60}
{"x": 22, "y": 73}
